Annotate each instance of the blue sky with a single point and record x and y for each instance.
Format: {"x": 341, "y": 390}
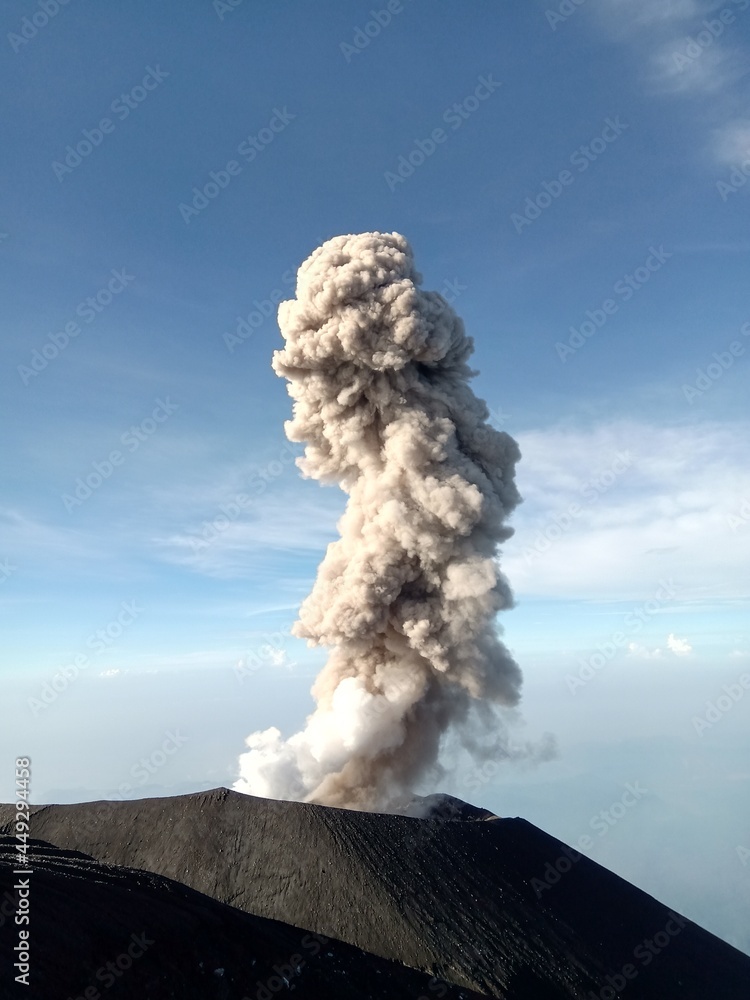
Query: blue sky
{"x": 574, "y": 184}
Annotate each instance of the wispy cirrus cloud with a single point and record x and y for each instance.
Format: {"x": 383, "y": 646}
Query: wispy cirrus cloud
{"x": 608, "y": 510}
{"x": 235, "y": 540}
{"x": 690, "y": 49}
{"x": 592, "y": 525}
{"x": 31, "y": 538}
{"x": 709, "y": 71}
{"x": 624, "y": 18}
{"x": 590, "y": 528}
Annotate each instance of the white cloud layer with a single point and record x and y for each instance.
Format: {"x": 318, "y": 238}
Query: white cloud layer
{"x": 665, "y": 509}
{"x": 628, "y": 17}
{"x": 732, "y": 142}
{"x": 680, "y": 647}
{"x": 665, "y": 516}
{"x": 709, "y": 71}
{"x": 640, "y": 652}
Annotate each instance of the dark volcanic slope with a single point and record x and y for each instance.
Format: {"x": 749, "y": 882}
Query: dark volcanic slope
{"x": 124, "y": 933}
{"x": 464, "y": 900}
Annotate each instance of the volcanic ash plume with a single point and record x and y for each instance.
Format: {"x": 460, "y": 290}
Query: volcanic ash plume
{"x": 407, "y": 597}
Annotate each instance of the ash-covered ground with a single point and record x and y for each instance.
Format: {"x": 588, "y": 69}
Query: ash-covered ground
{"x": 457, "y": 898}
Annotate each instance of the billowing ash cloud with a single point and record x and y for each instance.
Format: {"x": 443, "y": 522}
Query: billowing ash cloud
{"x": 407, "y": 597}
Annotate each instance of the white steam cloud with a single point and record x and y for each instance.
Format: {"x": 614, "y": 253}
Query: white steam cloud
{"x": 407, "y": 597}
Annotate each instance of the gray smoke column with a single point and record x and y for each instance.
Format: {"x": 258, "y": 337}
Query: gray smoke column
{"x": 406, "y": 598}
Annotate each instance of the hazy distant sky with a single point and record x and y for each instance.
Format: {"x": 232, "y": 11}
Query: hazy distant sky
{"x": 551, "y": 170}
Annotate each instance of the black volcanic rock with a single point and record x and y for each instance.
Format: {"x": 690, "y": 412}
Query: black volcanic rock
{"x": 118, "y": 932}
{"x": 495, "y": 905}
{"x": 445, "y": 807}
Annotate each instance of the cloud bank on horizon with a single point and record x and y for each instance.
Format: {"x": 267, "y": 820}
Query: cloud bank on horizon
{"x": 406, "y": 598}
